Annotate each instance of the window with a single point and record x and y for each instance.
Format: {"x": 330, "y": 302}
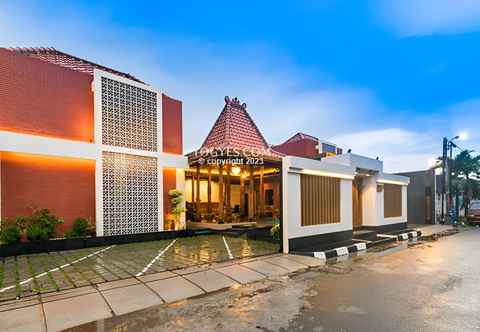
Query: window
{"x": 392, "y": 204}
{"x": 329, "y": 148}
{"x": 320, "y": 200}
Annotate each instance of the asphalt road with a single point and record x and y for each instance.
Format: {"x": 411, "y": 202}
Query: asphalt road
{"x": 434, "y": 286}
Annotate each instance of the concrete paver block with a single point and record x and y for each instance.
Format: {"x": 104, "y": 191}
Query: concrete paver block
{"x": 210, "y": 280}
{"x": 266, "y": 268}
{"x": 75, "y": 311}
{"x": 157, "y": 276}
{"x": 131, "y": 298}
{"x": 286, "y": 263}
{"x": 306, "y": 260}
{"x": 117, "y": 283}
{"x": 23, "y": 319}
{"x": 15, "y": 304}
{"x": 192, "y": 269}
{"x": 65, "y": 294}
{"x": 174, "y": 289}
{"x": 241, "y": 274}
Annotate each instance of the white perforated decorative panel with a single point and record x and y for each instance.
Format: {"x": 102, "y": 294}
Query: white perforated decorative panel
{"x": 130, "y": 194}
{"x": 129, "y": 116}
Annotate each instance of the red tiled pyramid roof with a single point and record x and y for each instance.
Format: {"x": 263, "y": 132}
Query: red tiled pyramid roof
{"x": 235, "y": 129}
{"x": 52, "y": 55}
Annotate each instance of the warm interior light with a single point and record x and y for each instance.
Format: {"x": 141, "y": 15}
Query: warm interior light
{"x": 236, "y": 170}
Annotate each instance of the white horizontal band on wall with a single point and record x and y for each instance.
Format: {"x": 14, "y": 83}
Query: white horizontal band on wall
{"x": 173, "y": 160}
{"x": 400, "y": 183}
{"x": 40, "y": 145}
{"x": 57, "y": 147}
{"x": 134, "y": 152}
{"x": 322, "y": 173}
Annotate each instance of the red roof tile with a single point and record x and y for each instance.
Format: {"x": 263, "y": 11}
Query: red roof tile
{"x": 300, "y": 136}
{"x": 50, "y": 54}
{"x": 235, "y": 129}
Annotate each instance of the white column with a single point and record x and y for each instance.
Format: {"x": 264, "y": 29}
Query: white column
{"x": 97, "y": 129}
{"x": 284, "y": 193}
{"x": 369, "y": 201}
{"x": 161, "y": 212}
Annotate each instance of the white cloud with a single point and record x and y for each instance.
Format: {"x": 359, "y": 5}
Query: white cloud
{"x": 426, "y": 17}
{"x": 401, "y": 150}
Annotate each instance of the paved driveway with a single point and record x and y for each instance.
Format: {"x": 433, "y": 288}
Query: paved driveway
{"x": 40, "y": 273}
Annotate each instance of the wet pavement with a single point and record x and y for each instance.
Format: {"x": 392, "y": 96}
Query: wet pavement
{"x": 27, "y": 275}
{"x": 429, "y": 286}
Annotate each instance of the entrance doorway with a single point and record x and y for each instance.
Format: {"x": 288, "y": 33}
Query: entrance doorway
{"x": 357, "y": 203}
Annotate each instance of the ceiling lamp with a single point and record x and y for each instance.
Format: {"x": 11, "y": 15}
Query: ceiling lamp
{"x": 236, "y": 170}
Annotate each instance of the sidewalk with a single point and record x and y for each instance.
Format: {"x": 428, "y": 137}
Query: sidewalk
{"x": 429, "y": 230}
{"x": 57, "y": 311}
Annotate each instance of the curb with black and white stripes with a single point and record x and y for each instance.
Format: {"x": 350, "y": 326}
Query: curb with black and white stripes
{"x": 341, "y": 251}
{"x": 409, "y": 235}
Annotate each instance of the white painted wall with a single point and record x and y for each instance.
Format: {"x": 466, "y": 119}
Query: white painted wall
{"x": 292, "y": 168}
{"x": 373, "y": 204}
{"x": 381, "y": 220}
{"x": 369, "y": 201}
{"x": 294, "y": 214}
{"x": 357, "y": 161}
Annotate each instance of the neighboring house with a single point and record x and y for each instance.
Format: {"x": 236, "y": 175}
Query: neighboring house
{"x": 307, "y": 146}
{"x": 422, "y": 198}
{"x": 85, "y": 140}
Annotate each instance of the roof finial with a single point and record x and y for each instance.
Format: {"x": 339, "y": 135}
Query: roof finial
{"x": 235, "y": 102}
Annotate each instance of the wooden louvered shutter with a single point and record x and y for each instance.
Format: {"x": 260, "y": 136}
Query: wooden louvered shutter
{"x": 320, "y": 200}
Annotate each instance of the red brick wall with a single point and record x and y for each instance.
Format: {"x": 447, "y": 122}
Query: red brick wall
{"x": 64, "y": 186}
{"x": 302, "y": 148}
{"x": 172, "y": 125}
{"x": 169, "y": 183}
{"x": 40, "y": 98}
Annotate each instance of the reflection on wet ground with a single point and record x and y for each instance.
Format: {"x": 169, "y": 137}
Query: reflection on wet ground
{"x": 425, "y": 287}
{"x": 26, "y": 275}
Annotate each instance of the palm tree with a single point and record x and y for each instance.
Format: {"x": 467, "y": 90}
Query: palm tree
{"x": 466, "y": 171}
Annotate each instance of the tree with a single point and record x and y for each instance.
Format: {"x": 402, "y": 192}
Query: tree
{"x": 466, "y": 171}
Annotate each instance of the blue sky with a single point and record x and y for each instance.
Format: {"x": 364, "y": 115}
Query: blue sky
{"x": 387, "y": 78}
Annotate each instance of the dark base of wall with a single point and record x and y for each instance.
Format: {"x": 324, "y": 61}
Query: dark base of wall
{"x": 387, "y": 228}
{"x": 319, "y": 241}
{"x": 69, "y": 244}
{"x": 261, "y": 234}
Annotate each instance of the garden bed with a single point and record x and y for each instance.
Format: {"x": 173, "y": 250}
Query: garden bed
{"x": 79, "y": 243}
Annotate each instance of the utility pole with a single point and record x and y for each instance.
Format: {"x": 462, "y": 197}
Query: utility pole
{"x": 451, "y": 145}
{"x": 444, "y": 175}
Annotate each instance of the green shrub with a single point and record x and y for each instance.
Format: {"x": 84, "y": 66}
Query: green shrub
{"x": 81, "y": 228}
{"x": 275, "y": 230}
{"x": 42, "y": 225}
{"x": 10, "y": 234}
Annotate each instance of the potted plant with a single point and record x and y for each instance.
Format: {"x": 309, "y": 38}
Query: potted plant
{"x": 176, "y": 200}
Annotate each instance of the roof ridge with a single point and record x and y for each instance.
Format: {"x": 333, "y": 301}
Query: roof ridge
{"x": 301, "y": 136}
{"x": 37, "y": 52}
